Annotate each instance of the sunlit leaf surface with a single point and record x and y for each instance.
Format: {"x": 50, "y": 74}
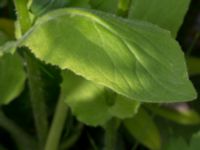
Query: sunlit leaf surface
{"x": 135, "y": 59}
{"x": 91, "y": 103}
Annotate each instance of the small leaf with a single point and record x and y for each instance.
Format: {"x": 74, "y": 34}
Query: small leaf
{"x": 12, "y": 77}
{"x": 186, "y": 117}
{"x": 124, "y": 107}
{"x": 89, "y": 102}
{"x": 135, "y": 59}
{"x": 142, "y": 127}
{"x": 168, "y": 14}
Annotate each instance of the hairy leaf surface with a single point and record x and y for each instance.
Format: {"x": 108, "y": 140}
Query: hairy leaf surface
{"x": 90, "y": 102}
{"x": 167, "y": 14}
{"x": 135, "y": 59}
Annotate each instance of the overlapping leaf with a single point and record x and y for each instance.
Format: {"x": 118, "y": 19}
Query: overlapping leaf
{"x": 186, "y": 116}
{"x": 179, "y": 143}
{"x": 143, "y": 128}
{"x": 91, "y": 103}
{"x": 135, "y": 59}
{"x": 167, "y": 14}
{"x": 12, "y": 77}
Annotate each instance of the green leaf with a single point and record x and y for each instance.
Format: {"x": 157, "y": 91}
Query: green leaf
{"x": 186, "y": 117}
{"x": 105, "y": 5}
{"x": 179, "y": 143}
{"x": 193, "y": 65}
{"x": 168, "y": 14}
{"x": 143, "y": 128}
{"x": 123, "y": 107}
{"x": 8, "y": 47}
{"x": 12, "y": 77}
{"x": 194, "y": 143}
{"x": 135, "y": 59}
{"x": 176, "y": 144}
{"x": 89, "y": 102}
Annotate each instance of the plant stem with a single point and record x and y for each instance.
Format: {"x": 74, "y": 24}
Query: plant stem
{"x": 34, "y": 77}
{"x": 111, "y": 134}
{"x": 23, "y": 15}
{"x": 57, "y": 125}
{"x": 22, "y": 139}
{"x": 123, "y": 8}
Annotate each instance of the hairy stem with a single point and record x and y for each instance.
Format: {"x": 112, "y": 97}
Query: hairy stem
{"x": 22, "y": 139}
{"x": 57, "y": 125}
{"x": 34, "y": 77}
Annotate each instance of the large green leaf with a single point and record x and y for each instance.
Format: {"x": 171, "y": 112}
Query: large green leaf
{"x": 12, "y": 77}
{"x": 142, "y": 127}
{"x": 168, "y": 14}
{"x": 135, "y": 59}
{"x": 91, "y": 103}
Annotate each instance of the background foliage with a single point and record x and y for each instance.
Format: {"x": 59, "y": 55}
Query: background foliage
{"x": 155, "y": 126}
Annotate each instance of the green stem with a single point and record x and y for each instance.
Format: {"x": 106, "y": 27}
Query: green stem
{"x": 57, "y": 125}
{"x": 123, "y": 8}
{"x": 34, "y": 77}
{"x": 23, "y": 15}
{"x": 111, "y": 134}
{"x": 22, "y": 139}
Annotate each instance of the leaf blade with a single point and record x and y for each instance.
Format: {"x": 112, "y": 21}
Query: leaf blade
{"x": 129, "y": 65}
{"x": 161, "y": 13}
